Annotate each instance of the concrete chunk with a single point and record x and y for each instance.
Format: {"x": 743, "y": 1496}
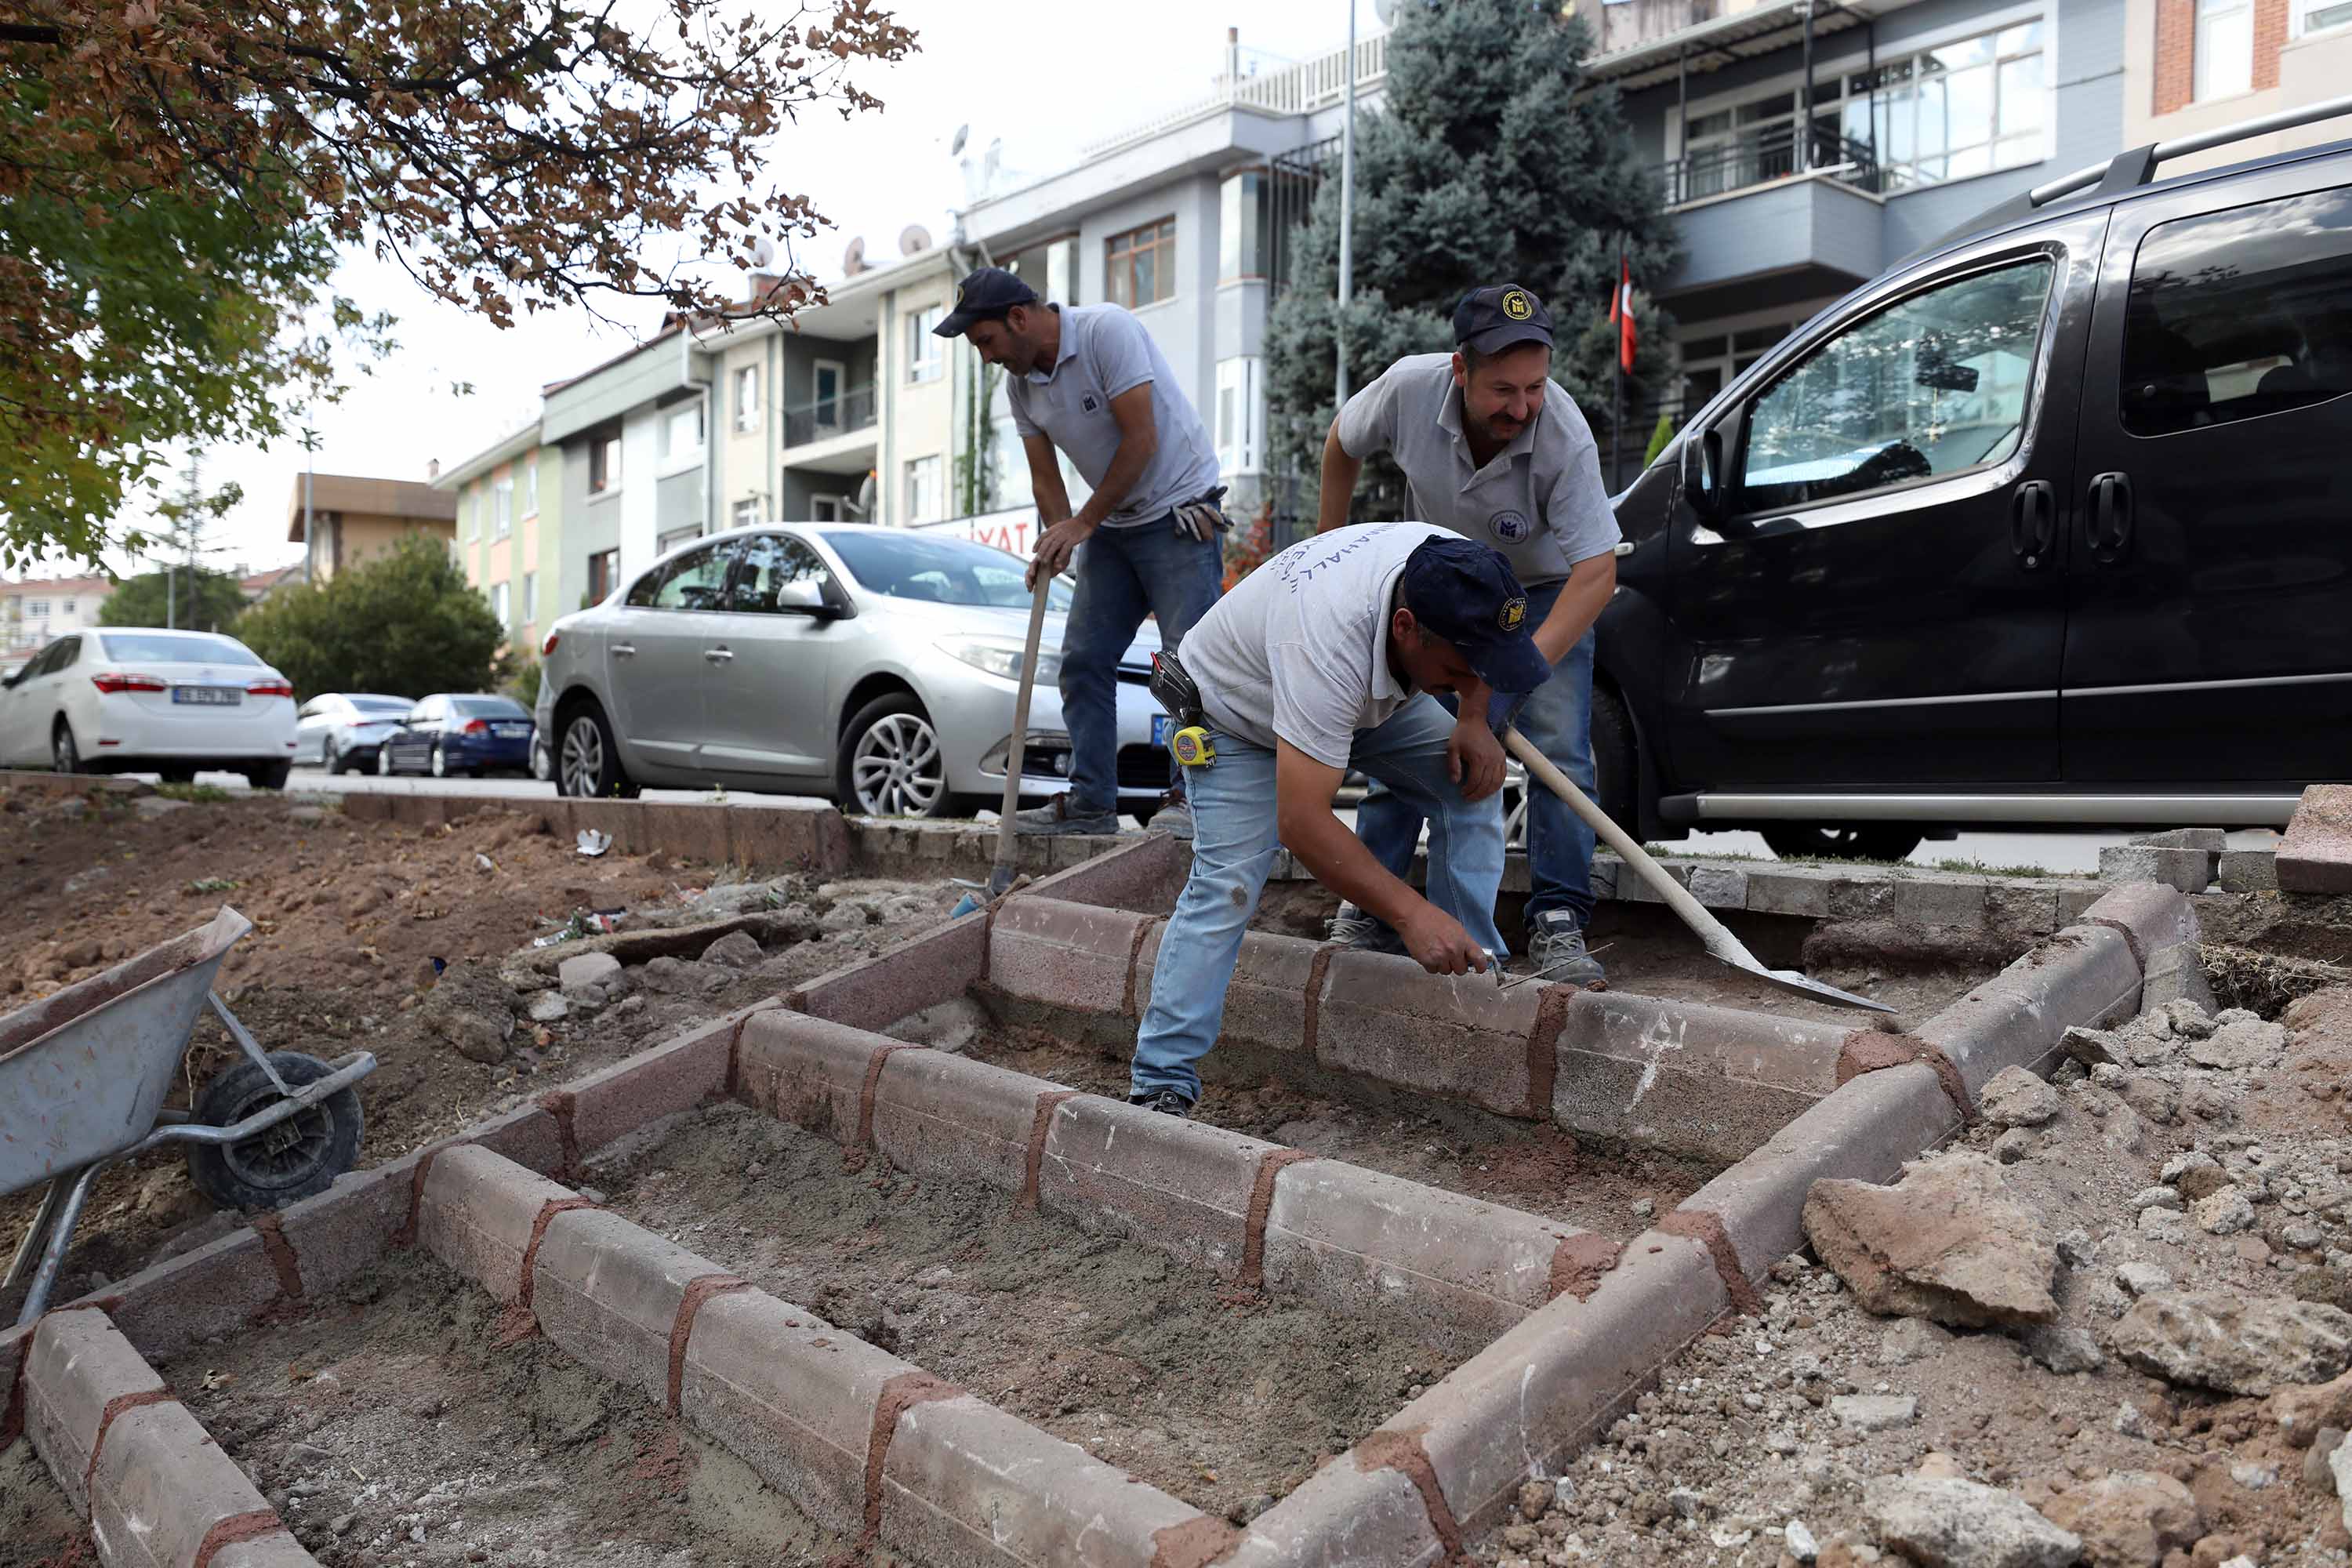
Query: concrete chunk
{"x": 2315, "y": 856}
{"x": 2191, "y": 870}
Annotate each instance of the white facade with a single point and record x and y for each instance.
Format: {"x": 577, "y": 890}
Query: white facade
{"x": 34, "y": 612}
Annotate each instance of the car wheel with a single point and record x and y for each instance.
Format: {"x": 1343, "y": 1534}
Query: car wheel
{"x": 1811, "y": 841}
{"x": 1515, "y": 806}
{"x": 270, "y": 775}
{"x": 177, "y": 775}
{"x": 891, "y": 762}
{"x": 64, "y": 755}
{"x": 331, "y": 755}
{"x": 588, "y": 763}
{"x": 543, "y": 766}
{"x": 383, "y": 760}
{"x": 440, "y": 762}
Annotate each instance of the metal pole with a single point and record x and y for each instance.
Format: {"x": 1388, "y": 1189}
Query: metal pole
{"x": 1805, "y": 111}
{"x": 309, "y": 472}
{"x": 1347, "y": 218}
{"x": 1617, "y": 366}
{"x": 1681, "y": 122}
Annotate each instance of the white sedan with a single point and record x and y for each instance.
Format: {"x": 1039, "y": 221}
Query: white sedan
{"x": 126, "y": 700}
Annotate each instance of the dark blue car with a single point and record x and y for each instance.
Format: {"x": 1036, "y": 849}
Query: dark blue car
{"x": 459, "y": 733}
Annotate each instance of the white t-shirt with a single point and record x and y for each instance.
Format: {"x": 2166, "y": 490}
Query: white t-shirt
{"x": 1299, "y": 650}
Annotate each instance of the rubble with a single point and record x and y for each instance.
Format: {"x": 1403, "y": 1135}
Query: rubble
{"x": 2238, "y": 1344}
{"x": 1960, "y": 1525}
{"x": 1947, "y": 1242}
{"x": 2016, "y": 1098}
{"x": 2129, "y": 1520}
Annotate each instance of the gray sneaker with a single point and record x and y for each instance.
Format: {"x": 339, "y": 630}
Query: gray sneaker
{"x": 1351, "y": 927}
{"x": 1056, "y": 818}
{"x": 1174, "y": 819}
{"x": 1556, "y": 951}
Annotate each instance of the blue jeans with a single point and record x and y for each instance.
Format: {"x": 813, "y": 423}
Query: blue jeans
{"x": 1234, "y": 845}
{"x": 1557, "y": 720}
{"x": 1124, "y": 574}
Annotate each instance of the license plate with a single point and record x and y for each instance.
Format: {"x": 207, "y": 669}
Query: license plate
{"x": 510, "y": 729}
{"x": 208, "y": 696}
{"x": 1162, "y": 726}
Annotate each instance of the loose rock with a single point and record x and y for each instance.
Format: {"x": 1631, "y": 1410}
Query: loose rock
{"x": 736, "y": 950}
{"x": 2224, "y": 1213}
{"x": 2234, "y": 1343}
{"x": 2249, "y": 1043}
{"x": 1874, "y": 1412}
{"x": 2016, "y": 1098}
{"x": 2129, "y": 1520}
{"x": 1960, "y": 1525}
{"x": 1947, "y": 1243}
{"x": 2064, "y": 1350}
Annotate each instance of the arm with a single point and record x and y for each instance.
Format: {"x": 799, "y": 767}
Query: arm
{"x": 1341, "y": 473}
{"x": 1138, "y": 439}
{"x": 1046, "y": 487}
{"x": 1591, "y": 583}
{"x": 1303, "y": 791}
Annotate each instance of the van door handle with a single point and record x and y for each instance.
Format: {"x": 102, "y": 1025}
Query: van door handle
{"x": 718, "y": 654}
{"x": 2033, "y": 525}
{"x": 2109, "y": 528}
{"x": 626, "y": 650}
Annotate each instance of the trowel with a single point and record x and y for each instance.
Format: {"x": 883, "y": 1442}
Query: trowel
{"x": 1720, "y": 944}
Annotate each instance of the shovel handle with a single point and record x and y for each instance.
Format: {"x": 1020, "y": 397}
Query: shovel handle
{"x": 1712, "y": 932}
{"x": 1016, "y": 748}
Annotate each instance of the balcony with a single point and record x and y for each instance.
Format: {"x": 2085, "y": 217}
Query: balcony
{"x": 832, "y": 434}
{"x": 1768, "y": 153}
{"x": 1299, "y": 88}
{"x": 1621, "y": 23}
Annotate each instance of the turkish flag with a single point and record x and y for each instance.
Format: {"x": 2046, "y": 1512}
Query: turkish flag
{"x": 1621, "y": 313}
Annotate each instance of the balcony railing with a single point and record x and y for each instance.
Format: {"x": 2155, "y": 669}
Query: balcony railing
{"x": 1630, "y": 22}
{"x": 1769, "y": 155}
{"x": 829, "y": 417}
{"x": 1301, "y": 89}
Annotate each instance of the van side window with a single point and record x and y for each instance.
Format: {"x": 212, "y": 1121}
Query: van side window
{"x": 1930, "y": 388}
{"x": 2236, "y": 314}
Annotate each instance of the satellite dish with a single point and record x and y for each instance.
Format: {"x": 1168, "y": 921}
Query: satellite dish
{"x": 864, "y": 505}
{"x": 956, "y": 145}
{"x": 763, "y": 252}
{"x": 853, "y": 261}
{"x": 914, "y": 240}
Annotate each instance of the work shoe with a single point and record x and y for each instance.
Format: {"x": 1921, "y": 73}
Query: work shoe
{"x": 1556, "y": 951}
{"x": 1351, "y": 927}
{"x": 1055, "y": 818}
{"x": 1167, "y": 1102}
{"x": 1174, "y": 819}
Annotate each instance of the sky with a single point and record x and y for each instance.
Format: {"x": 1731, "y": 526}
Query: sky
{"x": 1045, "y": 76}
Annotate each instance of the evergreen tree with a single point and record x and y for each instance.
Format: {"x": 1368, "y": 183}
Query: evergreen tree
{"x": 1493, "y": 160}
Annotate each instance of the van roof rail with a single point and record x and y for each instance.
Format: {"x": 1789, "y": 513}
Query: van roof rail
{"x": 2136, "y": 166}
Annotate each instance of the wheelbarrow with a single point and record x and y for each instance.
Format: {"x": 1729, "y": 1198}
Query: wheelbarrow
{"x": 84, "y": 1073}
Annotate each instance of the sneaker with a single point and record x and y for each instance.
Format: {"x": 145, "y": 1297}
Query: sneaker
{"x": 1174, "y": 819}
{"x": 1167, "y": 1102}
{"x": 1055, "y": 818}
{"x": 1556, "y": 951}
{"x": 1351, "y": 927}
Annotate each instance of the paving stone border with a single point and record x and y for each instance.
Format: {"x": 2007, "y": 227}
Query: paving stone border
{"x": 948, "y": 1478}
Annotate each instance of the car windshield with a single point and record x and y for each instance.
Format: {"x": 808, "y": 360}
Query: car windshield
{"x": 175, "y": 647}
{"x": 936, "y": 571}
{"x": 393, "y": 706}
{"x": 486, "y": 708}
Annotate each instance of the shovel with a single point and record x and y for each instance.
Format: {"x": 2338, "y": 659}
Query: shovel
{"x": 999, "y": 876}
{"x": 1720, "y": 944}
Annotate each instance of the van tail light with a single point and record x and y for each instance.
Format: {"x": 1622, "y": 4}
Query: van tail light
{"x": 478, "y": 727}
{"x": 548, "y": 645}
{"x": 111, "y": 681}
{"x": 269, "y": 688}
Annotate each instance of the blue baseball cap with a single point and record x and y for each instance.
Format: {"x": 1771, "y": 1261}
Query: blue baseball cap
{"x": 1465, "y": 594}
{"x": 985, "y": 291}
{"x": 1489, "y": 321}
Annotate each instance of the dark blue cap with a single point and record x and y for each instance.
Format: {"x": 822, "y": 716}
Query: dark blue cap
{"x": 1504, "y": 316}
{"x": 1465, "y": 594}
{"x": 988, "y": 291}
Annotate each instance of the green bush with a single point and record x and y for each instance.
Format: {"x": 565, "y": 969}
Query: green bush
{"x": 406, "y": 623}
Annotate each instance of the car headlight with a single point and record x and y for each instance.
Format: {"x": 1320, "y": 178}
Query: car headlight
{"x": 1002, "y": 659}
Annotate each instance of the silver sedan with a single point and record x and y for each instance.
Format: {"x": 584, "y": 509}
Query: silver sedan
{"x": 874, "y": 666}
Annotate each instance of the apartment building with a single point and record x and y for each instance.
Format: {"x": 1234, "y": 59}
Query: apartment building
{"x": 36, "y": 610}
{"x": 2197, "y": 65}
{"x": 345, "y": 518}
{"x": 509, "y": 535}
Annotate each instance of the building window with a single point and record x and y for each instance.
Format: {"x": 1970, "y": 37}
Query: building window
{"x": 1139, "y": 265}
{"x": 2318, "y": 15}
{"x": 603, "y": 572}
{"x": 1051, "y": 269}
{"x": 682, "y": 433}
{"x": 502, "y": 508}
{"x": 828, "y": 508}
{"x": 499, "y": 602}
{"x": 926, "y": 358}
{"x": 1708, "y": 363}
{"x": 1243, "y": 228}
{"x": 603, "y": 465}
{"x": 2224, "y": 56}
{"x": 36, "y": 608}
{"x": 530, "y": 597}
{"x": 747, "y": 400}
{"x": 676, "y": 537}
{"x": 924, "y": 493}
{"x": 1241, "y": 425}
{"x": 746, "y": 513}
{"x": 67, "y": 608}
{"x": 531, "y": 487}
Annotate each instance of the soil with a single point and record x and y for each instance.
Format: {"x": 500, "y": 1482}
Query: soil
{"x": 349, "y": 917}
{"x": 1738, "y": 1437}
{"x": 38, "y": 1529}
{"x": 1226, "y": 1403}
{"x": 395, "y": 1426}
{"x": 1459, "y": 1148}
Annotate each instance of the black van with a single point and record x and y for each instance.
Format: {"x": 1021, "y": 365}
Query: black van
{"x": 2049, "y": 523}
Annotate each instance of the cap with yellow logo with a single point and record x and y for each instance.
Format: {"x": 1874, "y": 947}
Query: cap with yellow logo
{"x": 1504, "y": 316}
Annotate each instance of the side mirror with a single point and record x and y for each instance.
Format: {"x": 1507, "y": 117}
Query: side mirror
{"x": 804, "y": 596}
{"x": 8, "y": 682}
{"x": 1703, "y": 473}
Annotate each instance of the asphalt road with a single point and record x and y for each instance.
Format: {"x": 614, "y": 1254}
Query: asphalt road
{"x": 2062, "y": 852}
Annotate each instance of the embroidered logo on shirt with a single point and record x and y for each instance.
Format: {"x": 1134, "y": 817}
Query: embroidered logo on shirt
{"x": 1511, "y": 526}
{"x": 1513, "y": 612}
{"x": 1088, "y": 402}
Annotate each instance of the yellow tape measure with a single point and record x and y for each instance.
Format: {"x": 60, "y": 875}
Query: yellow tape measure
{"x": 1193, "y": 746}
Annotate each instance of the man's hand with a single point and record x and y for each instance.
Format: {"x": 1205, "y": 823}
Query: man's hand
{"x": 1438, "y": 944}
{"x": 1056, "y": 546}
{"x": 1475, "y": 757}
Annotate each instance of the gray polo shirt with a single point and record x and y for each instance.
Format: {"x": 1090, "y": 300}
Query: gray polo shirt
{"x": 1540, "y": 500}
{"x": 1106, "y": 351}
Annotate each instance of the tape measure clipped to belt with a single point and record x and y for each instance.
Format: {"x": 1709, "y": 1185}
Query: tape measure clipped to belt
{"x": 1192, "y": 747}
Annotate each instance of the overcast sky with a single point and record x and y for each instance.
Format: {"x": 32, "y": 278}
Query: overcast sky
{"x": 1045, "y": 76}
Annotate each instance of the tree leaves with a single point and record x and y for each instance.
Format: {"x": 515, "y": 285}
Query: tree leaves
{"x": 406, "y": 623}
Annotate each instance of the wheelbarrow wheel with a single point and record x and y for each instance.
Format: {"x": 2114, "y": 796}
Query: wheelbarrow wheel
{"x": 299, "y": 1156}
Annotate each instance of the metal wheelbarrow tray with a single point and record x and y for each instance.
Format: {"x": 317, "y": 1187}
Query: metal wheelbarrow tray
{"x": 84, "y": 1074}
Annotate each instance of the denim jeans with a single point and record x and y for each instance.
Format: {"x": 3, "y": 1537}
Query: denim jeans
{"x": 1234, "y": 845}
{"x": 1124, "y": 574}
{"x": 1557, "y": 720}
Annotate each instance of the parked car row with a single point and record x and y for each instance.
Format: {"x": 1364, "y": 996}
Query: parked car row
{"x": 448, "y": 732}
